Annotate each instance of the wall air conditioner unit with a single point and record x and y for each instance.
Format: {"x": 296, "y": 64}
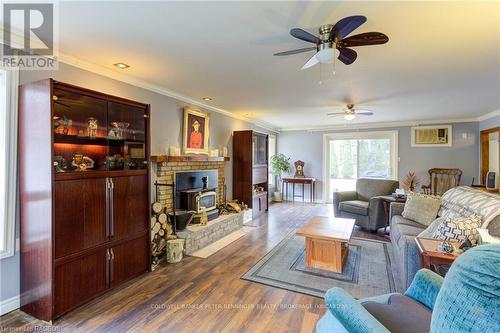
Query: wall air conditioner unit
{"x": 431, "y": 136}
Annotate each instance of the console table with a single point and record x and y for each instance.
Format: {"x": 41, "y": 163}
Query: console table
{"x": 298, "y": 180}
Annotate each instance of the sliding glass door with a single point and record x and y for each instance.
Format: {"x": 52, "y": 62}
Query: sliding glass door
{"x": 349, "y": 156}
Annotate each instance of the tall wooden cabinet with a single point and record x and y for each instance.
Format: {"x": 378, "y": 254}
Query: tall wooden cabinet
{"x": 84, "y": 188}
{"x": 250, "y": 170}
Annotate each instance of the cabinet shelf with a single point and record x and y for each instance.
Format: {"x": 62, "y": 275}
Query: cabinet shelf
{"x": 98, "y": 141}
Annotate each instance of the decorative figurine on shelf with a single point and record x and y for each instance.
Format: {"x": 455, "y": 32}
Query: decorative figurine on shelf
{"x": 59, "y": 163}
{"x": 82, "y": 163}
{"x": 115, "y": 162}
{"x": 62, "y": 125}
{"x": 299, "y": 168}
{"x": 92, "y": 127}
{"x": 118, "y": 130}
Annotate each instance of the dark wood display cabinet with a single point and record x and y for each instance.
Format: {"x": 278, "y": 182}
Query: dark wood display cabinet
{"x": 84, "y": 187}
{"x": 250, "y": 170}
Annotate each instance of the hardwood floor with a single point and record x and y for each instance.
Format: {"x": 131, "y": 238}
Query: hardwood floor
{"x": 202, "y": 295}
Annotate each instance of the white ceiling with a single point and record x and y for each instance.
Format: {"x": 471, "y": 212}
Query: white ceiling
{"x": 442, "y": 60}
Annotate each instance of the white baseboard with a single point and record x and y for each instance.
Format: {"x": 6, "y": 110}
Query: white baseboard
{"x": 9, "y": 305}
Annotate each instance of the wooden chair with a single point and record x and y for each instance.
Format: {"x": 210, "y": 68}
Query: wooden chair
{"x": 441, "y": 180}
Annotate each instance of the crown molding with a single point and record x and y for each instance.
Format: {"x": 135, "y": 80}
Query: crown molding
{"x": 356, "y": 126}
{"x": 489, "y": 115}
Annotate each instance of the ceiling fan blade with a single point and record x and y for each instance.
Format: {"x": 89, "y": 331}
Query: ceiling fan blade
{"x": 364, "y": 113}
{"x": 367, "y": 38}
{"x": 335, "y": 114}
{"x": 311, "y": 62}
{"x": 304, "y": 35}
{"x": 346, "y": 25}
{"x": 347, "y": 56}
{"x": 305, "y": 49}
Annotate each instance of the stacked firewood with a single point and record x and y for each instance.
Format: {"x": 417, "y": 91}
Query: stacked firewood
{"x": 161, "y": 231}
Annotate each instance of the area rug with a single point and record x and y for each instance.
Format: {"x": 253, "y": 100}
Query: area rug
{"x": 208, "y": 250}
{"x": 367, "y": 271}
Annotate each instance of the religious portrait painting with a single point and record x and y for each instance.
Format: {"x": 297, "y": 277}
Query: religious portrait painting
{"x": 195, "y": 133}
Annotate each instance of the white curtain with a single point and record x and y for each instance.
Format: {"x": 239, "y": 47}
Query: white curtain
{"x": 9, "y": 162}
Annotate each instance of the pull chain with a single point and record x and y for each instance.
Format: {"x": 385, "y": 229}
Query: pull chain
{"x": 320, "y": 74}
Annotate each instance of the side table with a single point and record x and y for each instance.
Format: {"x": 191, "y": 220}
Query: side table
{"x": 387, "y": 199}
{"x": 431, "y": 257}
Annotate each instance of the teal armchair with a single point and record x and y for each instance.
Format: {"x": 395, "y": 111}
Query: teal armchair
{"x": 468, "y": 299}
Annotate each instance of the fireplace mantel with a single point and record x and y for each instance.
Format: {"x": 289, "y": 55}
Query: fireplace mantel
{"x": 187, "y": 158}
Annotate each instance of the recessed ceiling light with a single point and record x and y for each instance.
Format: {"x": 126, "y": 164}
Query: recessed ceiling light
{"x": 208, "y": 99}
{"x": 121, "y": 65}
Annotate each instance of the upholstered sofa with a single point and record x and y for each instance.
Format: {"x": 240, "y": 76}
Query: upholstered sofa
{"x": 466, "y": 300}
{"x": 404, "y": 231}
{"x": 363, "y": 205}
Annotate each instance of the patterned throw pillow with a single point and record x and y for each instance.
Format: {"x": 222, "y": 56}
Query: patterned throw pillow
{"x": 421, "y": 208}
{"x": 459, "y": 228}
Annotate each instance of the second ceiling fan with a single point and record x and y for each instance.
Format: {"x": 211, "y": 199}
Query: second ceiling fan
{"x": 334, "y": 37}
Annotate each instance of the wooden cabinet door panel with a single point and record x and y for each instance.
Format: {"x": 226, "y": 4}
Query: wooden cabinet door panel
{"x": 129, "y": 260}
{"x": 259, "y": 204}
{"x": 80, "y": 210}
{"x": 130, "y": 206}
{"x": 80, "y": 280}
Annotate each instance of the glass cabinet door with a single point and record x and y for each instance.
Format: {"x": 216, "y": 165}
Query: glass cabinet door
{"x": 79, "y": 123}
{"x": 126, "y": 137}
{"x": 259, "y": 150}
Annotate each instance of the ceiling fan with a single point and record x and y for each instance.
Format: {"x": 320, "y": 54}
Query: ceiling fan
{"x": 332, "y": 41}
{"x": 350, "y": 113}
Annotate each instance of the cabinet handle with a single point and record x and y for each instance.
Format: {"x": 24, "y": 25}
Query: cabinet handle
{"x": 260, "y": 206}
{"x": 107, "y": 208}
{"x": 108, "y": 267}
{"x": 111, "y": 209}
{"x": 111, "y": 266}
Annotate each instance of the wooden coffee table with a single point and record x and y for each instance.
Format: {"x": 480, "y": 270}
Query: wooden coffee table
{"x": 327, "y": 242}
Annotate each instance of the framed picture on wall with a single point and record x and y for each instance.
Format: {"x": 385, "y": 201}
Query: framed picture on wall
{"x": 195, "y": 132}
{"x": 431, "y": 136}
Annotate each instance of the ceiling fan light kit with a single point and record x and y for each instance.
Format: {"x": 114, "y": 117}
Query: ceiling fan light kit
{"x": 349, "y": 116}
{"x": 326, "y": 53}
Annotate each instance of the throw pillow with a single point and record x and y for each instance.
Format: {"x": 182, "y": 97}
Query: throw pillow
{"x": 431, "y": 229}
{"x": 421, "y": 208}
{"x": 459, "y": 228}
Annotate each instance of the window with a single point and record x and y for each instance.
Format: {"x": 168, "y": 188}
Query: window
{"x": 349, "y": 156}
{"x": 272, "y": 152}
{"x": 8, "y": 160}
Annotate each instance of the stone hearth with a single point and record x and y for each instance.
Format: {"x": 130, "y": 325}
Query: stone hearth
{"x": 198, "y": 236}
